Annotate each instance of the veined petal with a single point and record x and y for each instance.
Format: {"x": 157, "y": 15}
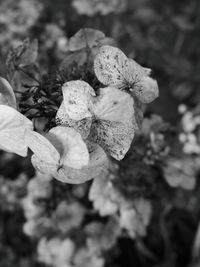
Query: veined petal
{"x": 7, "y": 96}
{"x": 98, "y": 165}
{"x": 73, "y": 151}
{"x": 12, "y": 130}
{"x": 110, "y": 66}
{"x": 113, "y": 105}
{"x": 77, "y": 99}
{"x": 114, "y": 137}
{"x": 114, "y": 127}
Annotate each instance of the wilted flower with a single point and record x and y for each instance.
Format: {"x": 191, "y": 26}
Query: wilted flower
{"x": 113, "y": 68}
{"x": 106, "y": 119}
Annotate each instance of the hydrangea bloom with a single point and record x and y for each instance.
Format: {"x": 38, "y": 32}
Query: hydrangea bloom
{"x": 107, "y": 118}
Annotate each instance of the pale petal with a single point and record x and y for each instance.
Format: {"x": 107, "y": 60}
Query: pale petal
{"x": 45, "y": 154}
{"x": 113, "y": 105}
{"x": 146, "y": 90}
{"x": 110, "y": 66}
{"x": 83, "y": 126}
{"x": 77, "y": 99}
{"x": 7, "y": 96}
{"x": 12, "y": 130}
{"x": 73, "y": 151}
{"x": 97, "y": 166}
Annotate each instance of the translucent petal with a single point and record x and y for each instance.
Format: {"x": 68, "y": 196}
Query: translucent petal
{"x": 12, "y": 130}
{"x": 77, "y": 99}
{"x": 86, "y": 37}
{"x": 98, "y": 165}
{"x": 7, "y": 96}
{"x": 110, "y": 66}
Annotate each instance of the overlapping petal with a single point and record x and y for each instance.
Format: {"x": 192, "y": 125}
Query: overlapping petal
{"x": 113, "y": 68}
{"x": 63, "y": 154}
{"x": 110, "y": 116}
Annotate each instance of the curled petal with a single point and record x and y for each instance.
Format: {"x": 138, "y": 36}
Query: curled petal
{"x": 98, "y": 165}
{"x": 73, "y": 151}
{"x": 110, "y": 66}
{"x": 83, "y": 126}
{"x": 44, "y": 151}
{"x": 146, "y": 90}
{"x": 13, "y": 126}
{"x": 77, "y": 99}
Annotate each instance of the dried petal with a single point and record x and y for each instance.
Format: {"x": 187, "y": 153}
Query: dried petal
{"x": 77, "y": 99}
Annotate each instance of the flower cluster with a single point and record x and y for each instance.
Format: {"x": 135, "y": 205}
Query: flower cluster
{"x": 91, "y": 124}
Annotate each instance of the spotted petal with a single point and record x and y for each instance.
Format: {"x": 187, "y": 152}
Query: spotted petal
{"x": 77, "y": 99}
{"x": 114, "y": 125}
{"x": 110, "y": 66}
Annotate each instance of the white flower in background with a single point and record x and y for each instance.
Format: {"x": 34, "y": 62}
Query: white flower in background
{"x": 106, "y": 199}
{"x": 103, "y": 7}
{"x": 190, "y": 124}
{"x": 31, "y": 210}
{"x": 39, "y": 186}
{"x": 113, "y": 68}
{"x": 68, "y": 216}
{"x": 12, "y": 123}
{"x": 38, "y": 226}
{"x": 56, "y": 252}
{"x": 16, "y": 18}
{"x": 181, "y": 172}
{"x": 136, "y": 219}
{"x": 107, "y": 118}
{"x": 85, "y": 257}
